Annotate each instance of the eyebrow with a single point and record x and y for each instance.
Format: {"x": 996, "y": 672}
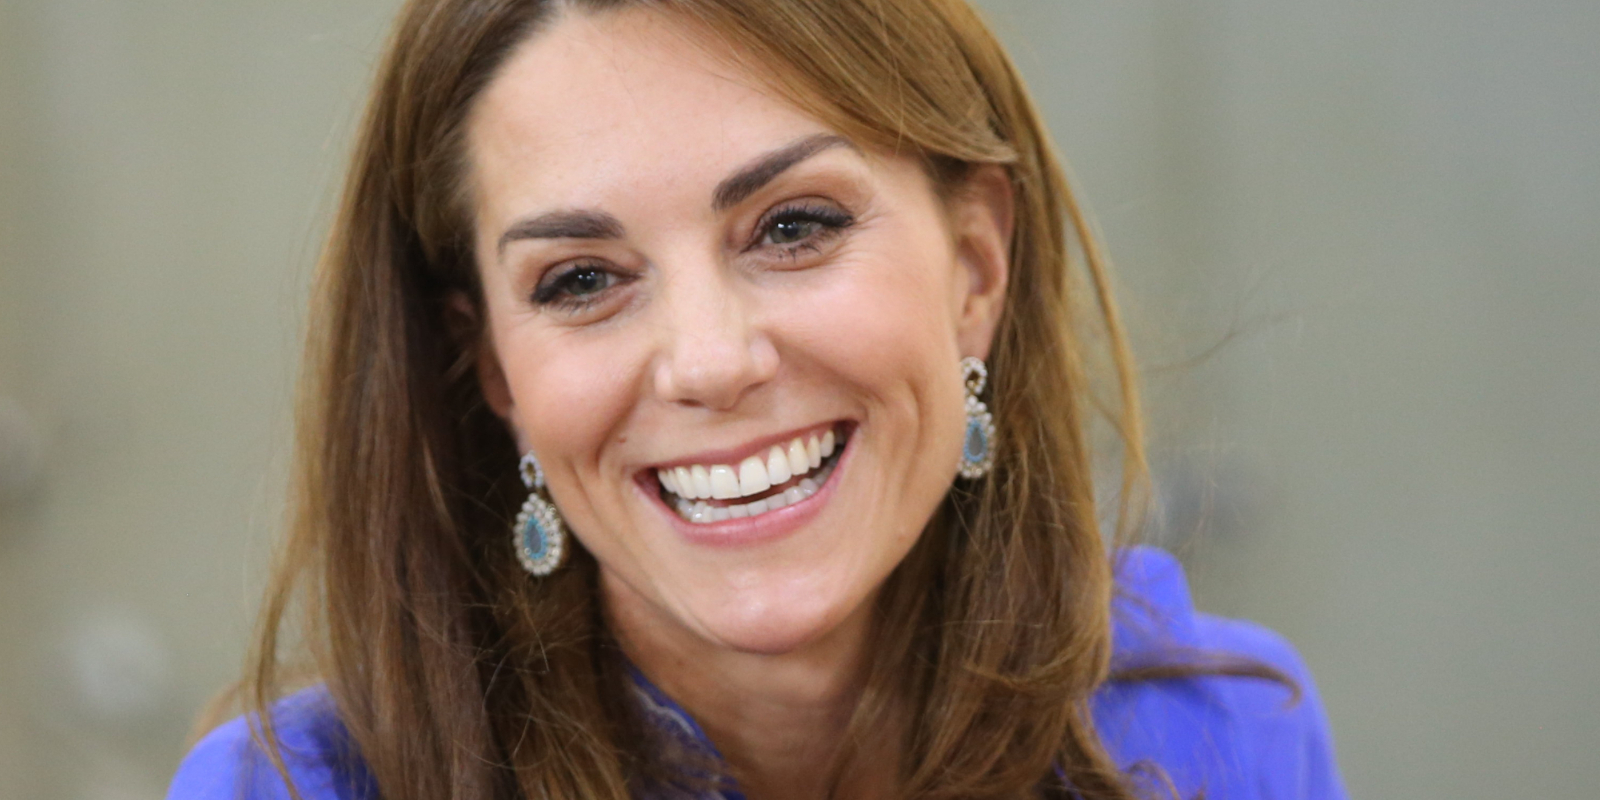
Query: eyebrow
{"x": 734, "y": 189}
{"x": 758, "y": 173}
{"x": 569, "y": 224}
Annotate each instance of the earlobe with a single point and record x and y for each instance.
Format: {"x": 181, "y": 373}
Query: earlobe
{"x": 985, "y": 218}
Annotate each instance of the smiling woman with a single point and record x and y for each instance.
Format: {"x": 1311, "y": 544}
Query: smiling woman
{"x": 730, "y": 279}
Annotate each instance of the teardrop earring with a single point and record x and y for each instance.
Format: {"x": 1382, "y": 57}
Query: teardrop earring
{"x": 539, "y": 536}
{"x": 977, "y": 448}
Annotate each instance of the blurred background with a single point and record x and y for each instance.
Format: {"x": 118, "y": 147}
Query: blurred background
{"x": 1358, "y": 243}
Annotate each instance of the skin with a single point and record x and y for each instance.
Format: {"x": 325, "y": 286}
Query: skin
{"x": 698, "y": 329}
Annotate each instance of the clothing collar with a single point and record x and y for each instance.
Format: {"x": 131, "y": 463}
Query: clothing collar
{"x": 682, "y": 740}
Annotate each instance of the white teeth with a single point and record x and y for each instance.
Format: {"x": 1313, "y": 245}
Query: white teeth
{"x": 702, "y": 512}
{"x": 724, "y": 484}
{"x": 753, "y": 476}
{"x": 702, "y": 481}
{"x": 799, "y": 464}
{"x": 777, "y": 466}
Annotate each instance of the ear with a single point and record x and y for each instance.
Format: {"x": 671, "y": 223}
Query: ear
{"x": 982, "y": 218}
{"x": 471, "y": 331}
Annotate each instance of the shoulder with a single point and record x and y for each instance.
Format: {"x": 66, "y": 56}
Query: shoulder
{"x": 229, "y": 764}
{"x": 1229, "y": 737}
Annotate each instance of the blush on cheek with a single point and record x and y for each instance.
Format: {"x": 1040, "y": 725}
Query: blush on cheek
{"x": 888, "y": 314}
{"x": 568, "y": 399}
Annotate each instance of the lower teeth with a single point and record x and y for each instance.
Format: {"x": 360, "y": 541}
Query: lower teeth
{"x": 703, "y": 512}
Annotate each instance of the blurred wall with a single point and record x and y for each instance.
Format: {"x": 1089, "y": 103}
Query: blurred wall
{"x": 1357, "y": 242}
{"x": 165, "y": 175}
{"x": 1361, "y": 246}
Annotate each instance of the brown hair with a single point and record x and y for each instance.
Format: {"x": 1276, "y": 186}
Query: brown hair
{"x": 457, "y": 675}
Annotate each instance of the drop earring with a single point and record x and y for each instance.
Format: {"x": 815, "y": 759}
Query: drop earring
{"x": 539, "y": 535}
{"x": 977, "y": 447}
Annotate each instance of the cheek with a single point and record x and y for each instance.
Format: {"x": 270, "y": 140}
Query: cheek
{"x": 571, "y": 393}
{"x": 883, "y": 322}
{"x": 885, "y": 314}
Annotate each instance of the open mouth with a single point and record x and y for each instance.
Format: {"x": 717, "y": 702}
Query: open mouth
{"x": 785, "y": 474}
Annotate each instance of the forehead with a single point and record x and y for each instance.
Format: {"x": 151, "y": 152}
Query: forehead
{"x": 594, "y": 105}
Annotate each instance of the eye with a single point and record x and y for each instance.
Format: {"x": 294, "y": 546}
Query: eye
{"x": 791, "y": 229}
{"x": 576, "y": 287}
{"x": 585, "y": 281}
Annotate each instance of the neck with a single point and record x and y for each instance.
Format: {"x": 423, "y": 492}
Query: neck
{"x": 779, "y": 720}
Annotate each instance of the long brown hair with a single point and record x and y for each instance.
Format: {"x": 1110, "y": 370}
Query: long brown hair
{"x": 456, "y": 674}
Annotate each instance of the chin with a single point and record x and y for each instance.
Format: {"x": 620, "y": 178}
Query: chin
{"x": 778, "y": 625}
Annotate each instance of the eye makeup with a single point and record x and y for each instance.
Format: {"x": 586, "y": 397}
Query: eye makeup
{"x": 788, "y": 231}
{"x": 577, "y": 286}
{"x": 801, "y": 226}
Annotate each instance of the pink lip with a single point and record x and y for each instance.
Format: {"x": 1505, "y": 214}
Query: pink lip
{"x": 768, "y": 527}
{"x": 734, "y": 455}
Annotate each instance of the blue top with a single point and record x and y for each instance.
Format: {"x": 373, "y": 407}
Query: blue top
{"x": 1232, "y": 738}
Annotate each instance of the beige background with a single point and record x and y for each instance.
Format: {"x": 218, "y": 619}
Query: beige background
{"x": 1358, "y": 241}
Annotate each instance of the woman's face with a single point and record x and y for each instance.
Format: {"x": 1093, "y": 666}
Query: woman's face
{"x": 693, "y": 291}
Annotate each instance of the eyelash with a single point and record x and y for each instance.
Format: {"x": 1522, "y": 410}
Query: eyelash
{"x": 553, "y": 292}
{"x": 833, "y": 221}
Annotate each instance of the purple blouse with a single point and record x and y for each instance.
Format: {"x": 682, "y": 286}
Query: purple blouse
{"x": 1231, "y": 738}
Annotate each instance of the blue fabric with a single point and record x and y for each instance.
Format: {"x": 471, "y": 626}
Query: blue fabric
{"x": 1232, "y": 738}
{"x": 228, "y": 765}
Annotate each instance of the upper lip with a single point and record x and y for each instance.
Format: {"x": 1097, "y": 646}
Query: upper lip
{"x": 734, "y": 455}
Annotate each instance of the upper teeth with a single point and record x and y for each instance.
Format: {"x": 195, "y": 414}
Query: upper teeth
{"x": 754, "y": 475}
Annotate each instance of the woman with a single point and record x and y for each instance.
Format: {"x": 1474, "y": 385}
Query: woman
{"x": 720, "y": 279}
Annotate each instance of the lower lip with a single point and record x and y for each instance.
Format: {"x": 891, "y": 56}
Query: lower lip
{"x": 767, "y": 527}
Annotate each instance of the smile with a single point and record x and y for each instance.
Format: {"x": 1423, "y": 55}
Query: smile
{"x": 783, "y": 475}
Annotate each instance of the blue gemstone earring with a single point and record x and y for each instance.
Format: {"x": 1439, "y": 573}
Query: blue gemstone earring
{"x": 538, "y": 534}
{"x": 977, "y": 449}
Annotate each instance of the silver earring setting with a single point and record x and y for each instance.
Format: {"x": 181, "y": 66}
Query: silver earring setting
{"x": 539, "y": 535}
{"x": 977, "y": 448}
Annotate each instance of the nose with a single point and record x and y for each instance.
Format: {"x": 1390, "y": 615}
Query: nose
{"x": 712, "y": 355}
